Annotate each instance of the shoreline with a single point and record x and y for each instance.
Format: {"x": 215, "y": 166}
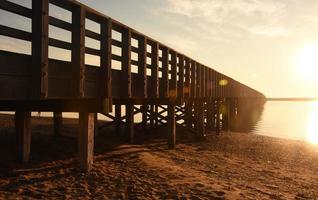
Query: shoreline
{"x": 228, "y": 166}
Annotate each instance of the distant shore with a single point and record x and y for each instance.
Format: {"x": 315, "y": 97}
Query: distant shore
{"x": 292, "y": 99}
{"x": 228, "y": 166}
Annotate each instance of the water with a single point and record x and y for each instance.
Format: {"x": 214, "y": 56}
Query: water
{"x": 296, "y": 120}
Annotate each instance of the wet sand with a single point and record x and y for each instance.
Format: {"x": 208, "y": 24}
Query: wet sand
{"x": 228, "y": 166}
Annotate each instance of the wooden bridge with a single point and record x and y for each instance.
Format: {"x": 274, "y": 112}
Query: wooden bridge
{"x": 166, "y": 86}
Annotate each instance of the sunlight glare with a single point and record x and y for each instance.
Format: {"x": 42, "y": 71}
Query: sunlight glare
{"x": 307, "y": 62}
{"x": 312, "y": 126}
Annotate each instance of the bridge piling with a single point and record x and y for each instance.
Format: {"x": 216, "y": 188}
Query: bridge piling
{"x": 58, "y": 123}
{"x": 23, "y": 132}
{"x": 86, "y": 140}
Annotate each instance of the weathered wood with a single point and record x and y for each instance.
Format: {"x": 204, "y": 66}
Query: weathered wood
{"x": 142, "y": 66}
{"x": 171, "y": 126}
{"x": 181, "y": 74}
{"x": 105, "y": 78}
{"x": 86, "y": 140}
{"x": 117, "y": 118}
{"x": 40, "y": 39}
{"x": 165, "y": 72}
{"x": 187, "y": 89}
{"x": 126, "y": 64}
{"x": 193, "y": 79}
{"x": 153, "y": 91}
{"x": 15, "y": 8}
{"x": 173, "y": 82}
{"x": 78, "y": 52}
{"x": 198, "y": 81}
{"x": 130, "y": 123}
{"x": 199, "y": 118}
{"x": 23, "y": 132}
{"x": 58, "y": 123}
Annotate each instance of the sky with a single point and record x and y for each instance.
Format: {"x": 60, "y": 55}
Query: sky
{"x": 269, "y": 45}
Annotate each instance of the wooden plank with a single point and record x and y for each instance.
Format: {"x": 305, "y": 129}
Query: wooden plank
{"x": 142, "y": 66}
{"x": 15, "y": 33}
{"x": 23, "y": 131}
{"x": 171, "y": 126}
{"x": 126, "y": 64}
{"x": 40, "y": 39}
{"x": 78, "y": 51}
{"x": 154, "y": 90}
{"x": 60, "y": 44}
{"x": 165, "y": 73}
{"x": 15, "y": 8}
{"x": 181, "y": 77}
{"x": 58, "y": 123}
{"x": 86, "y": 140}
{"x": 60, "y": 23}
{"x": 173, "y": 82}
{"x": 93, "y": 35}
{"x": 105, "y": 75}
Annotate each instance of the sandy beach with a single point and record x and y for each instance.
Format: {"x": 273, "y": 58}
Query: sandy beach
{"x": 227, "y": 166}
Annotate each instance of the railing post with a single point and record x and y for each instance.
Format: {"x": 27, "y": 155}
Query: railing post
{"x": 155, "y": 69}
{"x": 142, "y": 71}
{"x": 126, "y": 62}
{"x": 165, "y": 72}
{"x": 105, "y": 70}
{"x": 40, "y": 39}
{"x": 78, "y": 51}
{"x": 173, "y": 83}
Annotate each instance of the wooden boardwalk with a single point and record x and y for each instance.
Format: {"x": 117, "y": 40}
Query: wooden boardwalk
{"x": 166, "y": 86}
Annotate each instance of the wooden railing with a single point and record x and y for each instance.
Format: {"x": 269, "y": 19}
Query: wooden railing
{"x": 162, "y": 72}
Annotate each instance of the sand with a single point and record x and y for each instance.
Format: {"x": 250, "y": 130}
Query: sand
{"x": 228, "y": 166}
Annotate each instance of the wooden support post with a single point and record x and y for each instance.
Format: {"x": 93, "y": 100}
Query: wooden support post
{"x": 210, "y": 114}
{"x": 58, "y": 123}
{"x": 40, "y": 39}
{"x": 95, "y": 124}
{"x": 86, "y": 140}
{"x": 171, "y": 126}
{"x": 193, "y": 79}
{"x": 130, "y": 122}
{"x": 152, "y": 116}
{"x": 144, "y": 110}
{"x": 23, "y": 131}
{"x": 187, "y": 89}
{"x": 199, "y": 118}
{"x": 218, "y": 109}
{"x": 117, "y": 118}
{"x": 156, "y": 117}
{"x": 188, "y": 115}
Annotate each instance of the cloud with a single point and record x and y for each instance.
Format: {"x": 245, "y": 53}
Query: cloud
{"x": 222, "y": 18}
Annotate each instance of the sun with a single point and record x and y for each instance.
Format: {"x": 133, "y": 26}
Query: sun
{"x": 307, "y": 62}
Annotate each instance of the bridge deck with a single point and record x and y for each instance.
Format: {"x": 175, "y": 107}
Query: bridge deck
{"x": 132, "y": 69}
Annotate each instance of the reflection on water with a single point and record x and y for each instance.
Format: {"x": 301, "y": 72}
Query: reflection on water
{"x": 289, "y": 119}
{"x": 312, "y": 125}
